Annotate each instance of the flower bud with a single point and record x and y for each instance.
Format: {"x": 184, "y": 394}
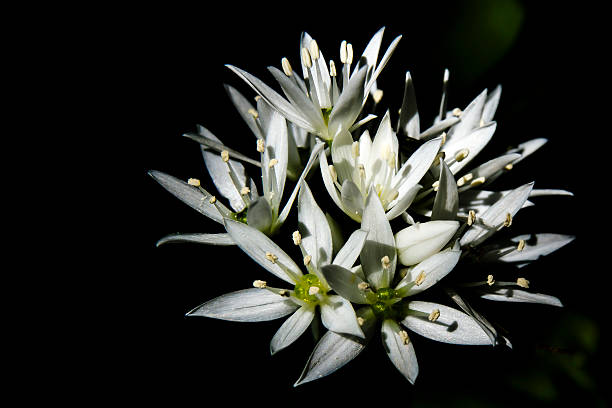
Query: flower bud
{"x": 418, "y": 242}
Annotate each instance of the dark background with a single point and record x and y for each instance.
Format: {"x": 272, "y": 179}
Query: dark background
{"x": 166, "y": 76}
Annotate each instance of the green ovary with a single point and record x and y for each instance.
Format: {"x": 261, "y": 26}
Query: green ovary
{"x": 383, "y": 308}
{"x": 326, "y": 112}
{"x": 242, "y": 215}
{"x": 302, "y": 289}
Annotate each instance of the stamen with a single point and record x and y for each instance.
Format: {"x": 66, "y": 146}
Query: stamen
{"x": 225, "y": 156}
{"x": 193, "y": 182}
{"x": 306, "y": 60}
{"x": 349, "y": 53}
{"x": 478, "y": 181}
{"x": 332, "y": 171}
{"x": 419, "y": 280}
{"x": 260, "y": 145}
{"x": 245, "y": 190}
{"x": 332, "y": 68}
{"x": 378, "y": 94}
{"x": 436, "y": 185}
{"x": 521, "y": 245}
{"x": 457, "y": 112}
{"x": 272, "y": 163}
{"x": 404, "y": 336}
{"x": 509, "y": 166}
{"x": 363, "y": 286}
{"x": 314, "y": 50}
{"x": 434, "y": 315}
{"x": 471, "y": 217}
{"x": 271, "y": 257}
{"x": 443, "y": 138}
{"x": 465, "y": 179}
{"x": 462, "y": 154}
{"x": 253, "y": 112}
{"x": 523, "y": 283}
{"x": 286, "y": 67}
{"x": 490, "y": 280}
{"x": 360, "y": 321}
{"x": 260, "y": 284}
{"x": 313, "y": 290}
{"x": 355, "y": 150}
{"x": 508, "y": 220}
{"x": 343, "y": 52}
{"x": 297, "y": 238}
{"x": 212, "y": 200}
{"x": 307, "y": 260}
{"x": 284, "y": 293}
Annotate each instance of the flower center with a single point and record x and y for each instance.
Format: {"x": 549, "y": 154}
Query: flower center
{"x": 386, "y": 298}
{"x": 308, "y": 288}
{"x": 242, "y": 215}
{"x": 326, "y": 112}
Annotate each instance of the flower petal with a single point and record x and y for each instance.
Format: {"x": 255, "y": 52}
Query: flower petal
{"x": 190, "y": 195}
{"x": 452, "y": 326}
{"x": 349, "y": 252}
{"x": 517, "y": 295}
{"x": 536, "y": 245}
{"x": 491, "y": 104}
{"x": 403, "y": 202}
{"x": 316, "y": 235}
{"x": 247, "y": 305}
{"x": 259, "y": 215}
{"x": 256, "y": 245}
{"x": 379, "y": 243}
{"x": 474, "y": 142}
{"x": 400, "y": 350}
{"x": 341, "y": 153}
{"x": 292, "y": 328}
{"x": 328, "y": 181}
{"x": 419, "y": 241}
{"x": 345, "y": 283}
{"x": 446, "y": 203}
{"x": 209, "y": 239}
{"x": 349, "y": 104}
{"x": 409, "y": 114}
{"x": 244, "y": 108}
{"x": 352, "y": 199}
{"x": 335, "y": 350}
{"x": 338, "y": 315}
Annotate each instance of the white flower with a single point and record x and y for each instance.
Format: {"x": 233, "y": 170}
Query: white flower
{"x": 373, "y": 165}
{"x": 421, "y": 240}
{"x": 320, "y": 103}
{"x": 309, "y": 290}
{"x": 387, "y": 302}
{"x": 230, "y": 178}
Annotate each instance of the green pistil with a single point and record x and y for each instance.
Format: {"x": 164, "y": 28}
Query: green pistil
{"x": 385, "y": 294}
{"x": 326, "y": 112}
{"x": 383, "y": 308}
{"x": 302, "y": 289}
{"x": 242, "y": 215}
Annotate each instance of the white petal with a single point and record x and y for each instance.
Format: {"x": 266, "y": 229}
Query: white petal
{"x": 338, "y": 315}
{"x": 208, "y": 239}
{"x": 335, "y": 350}
{"x": 452, "y": 326}
{"x": 446, "y": 203}
{"x": 351, "y": 197}
{"x": 328, "y": 182}
{"x": 341, "y": 153}
{"x": 190, "y": 195}
{"x": 536, "y": 245}
{"x": 345, "y": 283}
{"x": 400, "y": 350}
{"x": 418, "y": 242}
{"x": 259, "y": 215}
{"x": 383, "y": 62}
{"x": 433, "y": 268}
{"x": 276, "y": 147}
{"x": 384, "y": 143}
{"x": 292, "y": 328}
{"x": 474, "y": 142}
{"x": 493, "y": 218}
{"x": 529, "y": 147}
{"x": 218, "y": 171}
{"x": 491, "y": 104}
{"x": 490, "y": 170}
{"x": 379, "y": 243}
{"x": 316, "y": 235}
{"x": 409, "y": 114}
{"x": 349, "y": 104}
{"x": 520, "y": 296}
{"x": 243, "y": 106}
{"x": 470, "y": 119}
{"x": 248, "y": 305}
{"x": 256, "y": 244}
{"x": 351, "y": 249}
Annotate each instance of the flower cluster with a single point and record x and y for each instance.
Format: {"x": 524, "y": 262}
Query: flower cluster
{"x": 410, "y": 211}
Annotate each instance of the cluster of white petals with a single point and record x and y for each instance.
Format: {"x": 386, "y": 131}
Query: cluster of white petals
{"x": 410, "y": 202}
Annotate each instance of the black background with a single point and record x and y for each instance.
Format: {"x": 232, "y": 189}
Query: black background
{"x": 162, "y": 73}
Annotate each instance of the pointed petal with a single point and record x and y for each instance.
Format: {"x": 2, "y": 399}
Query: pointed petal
{"x": 529, "y": 147}
{"x": 338, "y": 315}
{"x": 259, "y": 215}
{"x": 433, "y": 268}
{"x": 491, "y": 104}
{"x": 276, "y": 147}
{"x": 494, "y": 217}
{"x": 383, "y": 62}
{"x": 403, "y": 202}
{"x": 256, "y": 244}
{"x": 351, "y": 249}
{"x": 248, "y": 305}
{"x": 400, "y": 350}
{"x": 274, "y": 99}
{"x": 478, "y": 317}
{"x": 379, "y": 243}
{"x": 328, "y": 181}
{"x": 316, "y": 235}
{"x": 244, "y": 107}
{"x": 452, "y": 326}
{"x": 345, "y": 283}
{"x": 470, "y": 119}
{"x": 349, "y": 104}
{"x": 446, "y": 203}
{"x": 351, "y": 198}
{"x": 342, "y": 156}
{"x": 474, "y": 142}
{"x": 335, "y": 350}
{"x": 409, "y": 114}
{"x": 292, "y": 328}
{"x": 436, "y": 129}
{"x": 208, "y": 239}
{"x": 517, "y": 295}
{"x": 190, "y": 195}
{"x": 219, "y": 173}
{"x": 536, "y": 245}
{"x": 492, "y": 169}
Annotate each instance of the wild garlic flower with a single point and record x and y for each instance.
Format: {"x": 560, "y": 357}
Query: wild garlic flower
{"x": 387, "y": 300}
{"x": 321, "y": 103}
{"x": 262, "y": 212}
{"x": 309, "y": 290}
{"x": 373, "y": 165}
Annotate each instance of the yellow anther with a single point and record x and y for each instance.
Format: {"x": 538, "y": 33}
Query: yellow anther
{"x": 307, "y": 260}
{"x": 385, "y": 262}
{"x": 260, "y": 284}
{"x": 272, "y": 163}
{"x": 521, "y": 245}
{"x": 306, "y": 60}
{"x": 297, "y": 238}
{"x": 193, "y": 182}
{"x": 404, "y": 336}
{"x": 343, "y": 52}
{"x": 260, "y": 145}
{"x": 313, "y": 290}
{"x": 471, "y": 217}
{"x": 478, "y": 181}
{"x": 360, "y": 321}
{"x": 286, "y": 67}
{"x": 284, "y": 293}
{"x": 363, "y": 286}
{"x": 508, "y": 220}
{"x": 420, "y": 279}
{"x": 332, "y": 68}
{"x": 333, "y": 173}
{"x": 523, "y": 283}
{"x": 253, "y": 113}
{"x": 462, "y": 154}
{"x": 245, "y": 190}
{"x": 490, "y": 280}
{"x": 349, "y": 53}
{"x": 212, "y": 200}
{"x": 434, "y": 315}
{"x": 271, "y": 257}
{"x": 314, "y": 50}
{"x": 457, "y": 112}
{"x": 508, "y": 166}
{"x": 377, "y": 96}
{"x": 443, "y": 138}
{"x": 435, "y": 185}
{"x": 225, "y": 156}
